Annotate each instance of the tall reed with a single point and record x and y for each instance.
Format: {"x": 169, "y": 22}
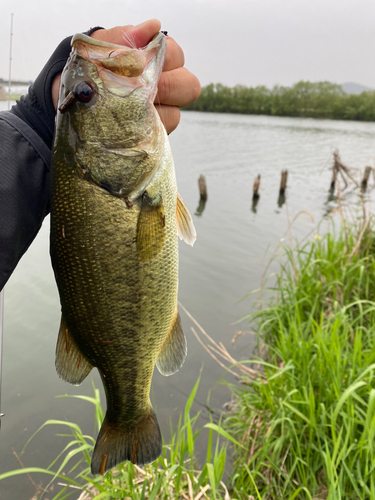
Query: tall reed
{"x": 306, "y": 428}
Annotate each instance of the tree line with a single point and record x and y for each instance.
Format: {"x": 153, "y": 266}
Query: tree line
{"x": 304, "y": 99}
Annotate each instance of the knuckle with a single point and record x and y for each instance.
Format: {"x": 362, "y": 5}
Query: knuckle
{"x": 175, "y": 56}
{"x": 195, "y": 89}
{"x": 164, "y": 88}
{"x": 174, "y": 119}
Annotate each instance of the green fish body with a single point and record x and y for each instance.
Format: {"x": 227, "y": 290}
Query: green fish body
{"x": 115, "y": 218}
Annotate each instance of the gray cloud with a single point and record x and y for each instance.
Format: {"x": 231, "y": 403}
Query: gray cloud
{"x": 251, "y": 42}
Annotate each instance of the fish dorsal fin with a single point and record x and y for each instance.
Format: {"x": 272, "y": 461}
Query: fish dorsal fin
{"x": 172, "y": 353}
{"x": 70, "y": 363}
{"x": 150, "y": 228}
{"x": 185, "y": 226}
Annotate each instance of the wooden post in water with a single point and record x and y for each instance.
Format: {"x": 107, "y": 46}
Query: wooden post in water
{"x": 284, "y": 179}
{"x": 256, "y": 187}
{"x": 334, "y": 174}
{"x": 341, "y": 169}
{"x": 203, "y": 195}
{"x": 366, "y": 177}
{"x": 202, "y": 188}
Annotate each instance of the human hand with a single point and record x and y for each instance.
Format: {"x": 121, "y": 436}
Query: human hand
{"x": 177, "y": 86}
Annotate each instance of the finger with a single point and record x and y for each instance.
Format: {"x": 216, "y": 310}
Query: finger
{"x": 170, "y": 116}
{"x": 174, "y": 55}
{"x": 140, "y": 35}
{"x": 178, "y": 88}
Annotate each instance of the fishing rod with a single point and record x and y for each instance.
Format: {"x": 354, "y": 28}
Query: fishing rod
{"x": 2, "y": 291}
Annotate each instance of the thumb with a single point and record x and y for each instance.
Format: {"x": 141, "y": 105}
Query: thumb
{"x": 137, "y": 36}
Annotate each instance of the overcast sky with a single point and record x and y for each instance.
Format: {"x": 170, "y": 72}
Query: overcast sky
{"x": 248, "y": 42}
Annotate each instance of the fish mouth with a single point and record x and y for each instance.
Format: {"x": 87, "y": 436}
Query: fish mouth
{"x": 117, "y": 64}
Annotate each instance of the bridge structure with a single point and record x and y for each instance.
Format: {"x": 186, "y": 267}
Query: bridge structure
{"x": 5, "y": 83}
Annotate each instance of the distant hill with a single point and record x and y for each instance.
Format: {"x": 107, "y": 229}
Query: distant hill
{"x": 354, "y": 88}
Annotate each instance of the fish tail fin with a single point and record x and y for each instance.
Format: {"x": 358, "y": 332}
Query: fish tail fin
{"x": 140, "y": 444}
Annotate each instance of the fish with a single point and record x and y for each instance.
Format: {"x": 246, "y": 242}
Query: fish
{"x": 116, "y": 216}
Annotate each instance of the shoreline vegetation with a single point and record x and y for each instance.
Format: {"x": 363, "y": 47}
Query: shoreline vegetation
{"x": 307, "y": 425}
{"x": 301, "y": 424}
{"x": 304, "y": 99}
{"x": 12, "y": 97}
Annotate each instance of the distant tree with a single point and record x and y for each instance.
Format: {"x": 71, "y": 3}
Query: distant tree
{"x": 317, "y": 100}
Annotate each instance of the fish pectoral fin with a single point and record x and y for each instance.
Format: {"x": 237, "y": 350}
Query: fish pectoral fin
{"x": 172, "y": 353}
{"x": 150, "y": 228}
{"x": 185, "y": 226}
{"x": 71, "y": 365}
{"x": 140, "y": 443}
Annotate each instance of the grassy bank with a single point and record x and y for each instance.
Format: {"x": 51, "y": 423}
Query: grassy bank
{"x": 304, "y": 99}
{"x": 174, "y": 476}
{"x": 302, "y": 422}
{"x": 13, "y": 97}
{"x": 307, "y": 428}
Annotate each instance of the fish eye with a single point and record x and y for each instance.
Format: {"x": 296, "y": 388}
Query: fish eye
{"x": 83, "y": 91}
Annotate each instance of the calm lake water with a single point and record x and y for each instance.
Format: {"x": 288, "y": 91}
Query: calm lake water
{"x": 235, "y": 243}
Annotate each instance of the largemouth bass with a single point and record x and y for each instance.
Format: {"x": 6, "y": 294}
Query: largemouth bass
{"x": 115, "y": 218}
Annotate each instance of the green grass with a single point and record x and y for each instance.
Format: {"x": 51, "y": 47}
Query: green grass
{"x": 307, "y": 430}
{"x": 13, "y": 97}
{"x": 302, "y": 426}
{"x": 175, "y": 475}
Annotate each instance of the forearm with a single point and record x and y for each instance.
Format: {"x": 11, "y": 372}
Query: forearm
{"x": 24, "y": 190}
{"x": 26, "y": 134}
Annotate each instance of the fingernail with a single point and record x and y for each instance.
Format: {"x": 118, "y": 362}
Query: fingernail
{"x": 141, "y": 25}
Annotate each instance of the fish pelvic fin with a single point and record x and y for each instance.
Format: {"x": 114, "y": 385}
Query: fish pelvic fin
{"x": 172, "y": 353}
{"x": 185, "y": 226}
{"x": 140, "y": 444}
{"x": 150, "y": 228}
{"x": 71, "y": 365}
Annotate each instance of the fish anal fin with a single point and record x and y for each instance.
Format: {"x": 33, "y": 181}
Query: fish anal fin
{"x": 172, "y": 353}
{"x": 185, "y": 226}
{"x": 140, "y": 444}
{"x": 70, "y": 363}
{"x": 150, "y": 228}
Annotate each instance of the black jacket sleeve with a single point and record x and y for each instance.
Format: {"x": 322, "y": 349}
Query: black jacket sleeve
{"x": 24, "y": 189}
{"x": 26, "y": 135}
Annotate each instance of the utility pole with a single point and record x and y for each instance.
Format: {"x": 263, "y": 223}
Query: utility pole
{"x": 10, "y": 58}
{"x": 2, "y": 291}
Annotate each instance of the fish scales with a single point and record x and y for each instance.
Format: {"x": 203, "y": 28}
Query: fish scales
{"x": 115, "y": 216}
